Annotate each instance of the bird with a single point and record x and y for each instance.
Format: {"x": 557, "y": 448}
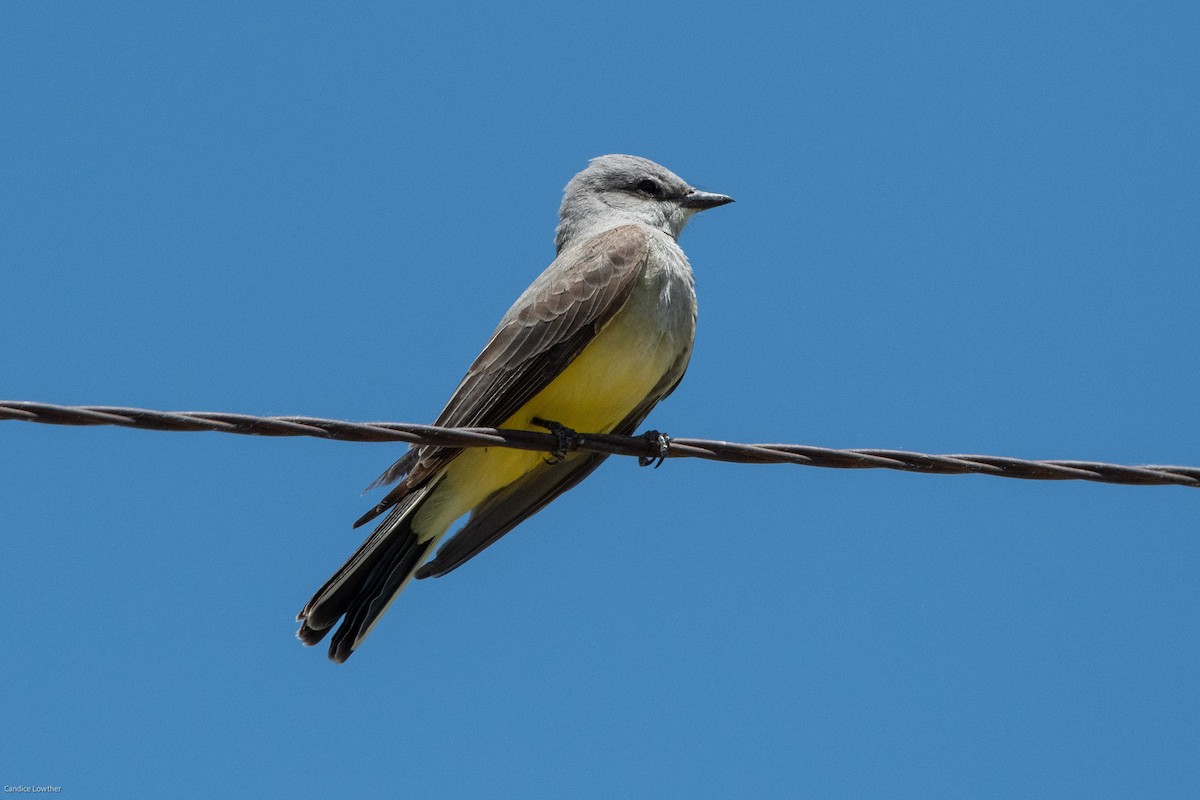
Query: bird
{"x": 594, "y": 343}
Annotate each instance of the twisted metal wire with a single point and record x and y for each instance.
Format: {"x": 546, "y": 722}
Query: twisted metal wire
{"x": 643, "y": 447}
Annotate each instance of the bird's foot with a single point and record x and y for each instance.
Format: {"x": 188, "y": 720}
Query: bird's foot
{"x": 567, "y": 439}
{"x": 660, "y": 440}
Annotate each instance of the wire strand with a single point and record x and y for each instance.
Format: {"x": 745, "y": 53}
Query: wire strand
{"x": 644, "y": 447}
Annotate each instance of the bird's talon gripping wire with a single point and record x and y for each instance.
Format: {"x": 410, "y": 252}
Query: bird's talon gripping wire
{"x": 567, "y": 439}
{"x": 660, "y": 440}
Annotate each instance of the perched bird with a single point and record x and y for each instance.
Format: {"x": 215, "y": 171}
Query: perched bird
{"x": 591, "y": 346}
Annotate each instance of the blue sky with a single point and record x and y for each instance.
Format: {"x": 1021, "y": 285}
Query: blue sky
{"x": 959, "y": 228}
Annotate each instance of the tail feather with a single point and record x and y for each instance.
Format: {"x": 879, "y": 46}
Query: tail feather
{"x": 366, "y": 584}
{"x": 389, "y": 576}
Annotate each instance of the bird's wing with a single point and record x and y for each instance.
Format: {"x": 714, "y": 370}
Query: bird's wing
{"x": 541, "y": 334}
{"x": 548, "y": 327}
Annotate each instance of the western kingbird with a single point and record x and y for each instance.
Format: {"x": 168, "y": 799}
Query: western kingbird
{"x": 592, "y": 345}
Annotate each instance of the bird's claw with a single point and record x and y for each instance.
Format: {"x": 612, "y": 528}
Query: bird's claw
{"x": 660, "y": 440}
{"x": 567, "y": 439}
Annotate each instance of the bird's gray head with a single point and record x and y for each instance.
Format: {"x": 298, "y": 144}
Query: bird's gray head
{"x": 619, "y": 190}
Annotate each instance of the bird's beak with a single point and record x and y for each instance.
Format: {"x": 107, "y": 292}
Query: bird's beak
{"x": 701, "y": 200}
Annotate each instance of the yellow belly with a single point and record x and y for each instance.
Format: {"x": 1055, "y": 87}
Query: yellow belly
{"x": 613, "y": 374}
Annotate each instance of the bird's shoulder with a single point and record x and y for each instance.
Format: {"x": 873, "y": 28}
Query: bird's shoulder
{"x": 596, "y": 265}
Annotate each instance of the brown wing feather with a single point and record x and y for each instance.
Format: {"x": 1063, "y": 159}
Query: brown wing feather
{"x": 541, "y": 334}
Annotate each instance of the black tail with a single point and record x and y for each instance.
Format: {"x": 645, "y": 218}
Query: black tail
{"x": 365, "y": 586}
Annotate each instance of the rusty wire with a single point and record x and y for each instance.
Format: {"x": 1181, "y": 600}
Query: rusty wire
{"x": 646, "y": 448}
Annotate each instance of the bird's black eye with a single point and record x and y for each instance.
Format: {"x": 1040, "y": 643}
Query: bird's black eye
{"x": 649, "y": 187}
